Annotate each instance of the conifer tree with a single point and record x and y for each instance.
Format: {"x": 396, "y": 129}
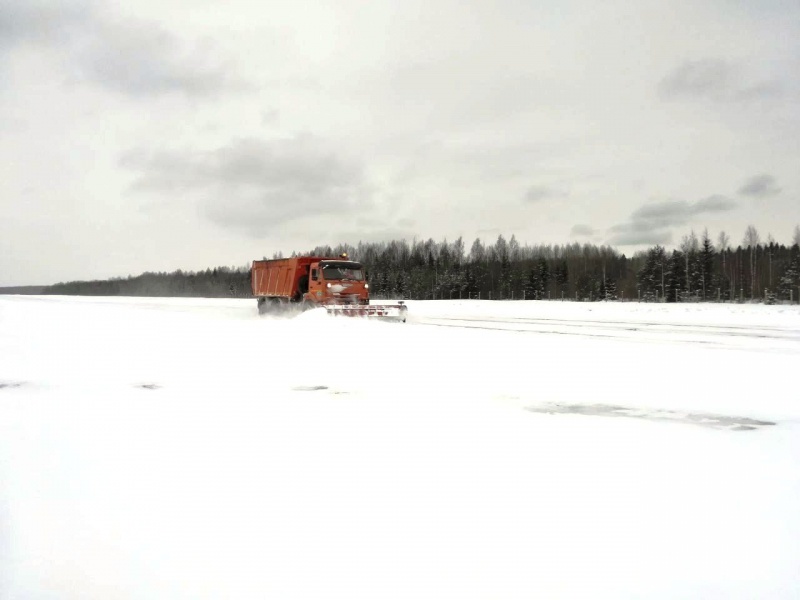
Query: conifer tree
{"x": 561, "y": 275}
{"x": 706, "y": 263}
{"x": 651, "y": 276}
{"x": 675, "y": 276}
{"x": 608, "y": 288}
{"x": 789, "y": 285}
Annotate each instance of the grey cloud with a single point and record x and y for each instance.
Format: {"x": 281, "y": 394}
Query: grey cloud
{"x": 760, "y": 186}
{"x": 649, "y": 222}
{"x": 663, "y": 214}
{"x": 581, "y": 230}
{"x": 139, "y": 58}
{"x": 270, "y": 117}
{"x": 715, "y": 203}
{"x": 539, "y": 192}
{"x": 698, "y": 78}
{"x": 634, "y": 238}
{"x": 492, "y": 232}
{"x": 134, "y": 57}
{"x": 256, "y": 186}
{"x": 362, "y": 234}
{"x": 38, "y": 21}
{"x": 714, "y": 79}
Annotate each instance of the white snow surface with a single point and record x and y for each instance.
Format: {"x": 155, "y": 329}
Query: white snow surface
{"x": 189, "y": 449}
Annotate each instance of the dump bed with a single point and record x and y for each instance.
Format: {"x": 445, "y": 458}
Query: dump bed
{"x": 279, "y": 278}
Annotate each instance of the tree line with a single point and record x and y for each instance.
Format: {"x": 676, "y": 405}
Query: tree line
{"x": 211, "y": 283}
{"x": 699, "y": 269}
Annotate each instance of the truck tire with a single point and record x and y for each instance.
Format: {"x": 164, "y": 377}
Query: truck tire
{"x": 263, "y": 307}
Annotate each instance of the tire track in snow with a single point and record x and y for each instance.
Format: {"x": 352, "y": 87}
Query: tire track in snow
{"x": 703, "y": 419}
{"x": 715, "y": 335}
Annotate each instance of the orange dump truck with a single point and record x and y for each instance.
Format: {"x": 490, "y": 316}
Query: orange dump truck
{"x": 338, "y": 284}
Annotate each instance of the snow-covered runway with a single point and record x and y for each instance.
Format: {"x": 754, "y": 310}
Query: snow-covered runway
{"x": 771, "y": 338}
{"x": 166, "y": 448}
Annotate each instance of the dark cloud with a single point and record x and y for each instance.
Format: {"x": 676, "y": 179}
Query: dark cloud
{"x": 581, "y": 230}
{"x": 537, "y": 193}
{"x": 714, "y": 79}
{"x": 760, "y": 186}
{"x": 650, "y": 222}
{"x": 257, "y": 186}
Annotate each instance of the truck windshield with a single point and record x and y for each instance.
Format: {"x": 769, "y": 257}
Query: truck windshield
{"x": 337, "y": 271}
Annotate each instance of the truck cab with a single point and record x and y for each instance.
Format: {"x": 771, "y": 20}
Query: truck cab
{"x": 337, "y": 281}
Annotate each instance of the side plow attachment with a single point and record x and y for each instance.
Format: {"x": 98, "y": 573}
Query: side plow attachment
{"x": 394, "y": 312}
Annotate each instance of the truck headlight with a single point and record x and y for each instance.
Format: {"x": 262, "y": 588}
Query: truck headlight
{"x": 329, "y": 285}
{"x": 366, "y": 286}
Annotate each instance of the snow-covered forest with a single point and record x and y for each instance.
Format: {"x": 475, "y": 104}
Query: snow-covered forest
{"x": 698, "y": 269}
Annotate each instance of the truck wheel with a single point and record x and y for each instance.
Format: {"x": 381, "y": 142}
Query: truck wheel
{"x": 263, "y": 307}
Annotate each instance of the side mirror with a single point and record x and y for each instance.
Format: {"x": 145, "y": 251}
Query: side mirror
{"x": 313, "y": 275}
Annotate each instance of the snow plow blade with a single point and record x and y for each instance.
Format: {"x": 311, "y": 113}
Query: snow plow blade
{"x": 393, "y": 312}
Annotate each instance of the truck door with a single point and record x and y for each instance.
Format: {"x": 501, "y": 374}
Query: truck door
{"x": 315, "y": 282}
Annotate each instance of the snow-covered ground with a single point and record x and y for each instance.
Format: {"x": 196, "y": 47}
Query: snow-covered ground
{"x": 165, "y": 448}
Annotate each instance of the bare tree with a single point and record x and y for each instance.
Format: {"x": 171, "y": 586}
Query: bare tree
{"x": 513, "y": 248}
{"x": 458, "y": 250}
{"x": 724, "y": 245}
{"x": 796, "y": 236}
{"x": 477, "y": 253}
{"x": 689, "y": 246}
{"x": 771, "y": 244}
{"x": 723, "y": 241}
{"x": 751, "y": 240}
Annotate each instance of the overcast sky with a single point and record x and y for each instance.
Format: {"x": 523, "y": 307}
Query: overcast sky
{"x": 156, "y": 135}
